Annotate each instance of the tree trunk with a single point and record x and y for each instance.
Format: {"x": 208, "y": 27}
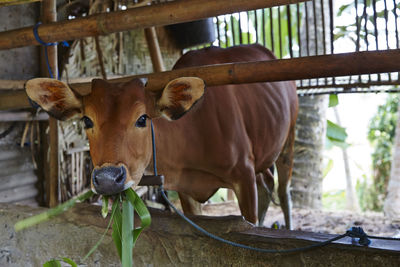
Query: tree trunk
{"x": 311, "y": 121}
{"x": 351, "y": 199}
{"x": 392, "y": 202}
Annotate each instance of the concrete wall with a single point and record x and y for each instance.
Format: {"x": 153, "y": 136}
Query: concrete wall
{"x": 170, "y": 241}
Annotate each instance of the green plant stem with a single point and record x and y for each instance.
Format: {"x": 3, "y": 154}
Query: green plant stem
{"x": 31, "y": 221}
{"x": 127, "y": 233}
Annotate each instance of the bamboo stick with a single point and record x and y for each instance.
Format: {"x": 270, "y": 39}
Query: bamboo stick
{"x": 356, "y": 63}
{"x": 134, "y": 18}
{"x": 154, "y": 49}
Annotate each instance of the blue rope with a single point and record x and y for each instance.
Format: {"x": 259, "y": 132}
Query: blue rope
{"x": 354, "y": 232}
{"x": 40, "y": 41}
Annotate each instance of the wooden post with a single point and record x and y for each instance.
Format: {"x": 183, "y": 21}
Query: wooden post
{"x": 49, "y": 14}
{"x": 134, "y": 18}
{"x": 154, "y": 49}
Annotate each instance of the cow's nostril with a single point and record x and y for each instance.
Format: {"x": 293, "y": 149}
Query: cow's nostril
{"x": 95, "y": 180}
{"x": 120, "y": 178}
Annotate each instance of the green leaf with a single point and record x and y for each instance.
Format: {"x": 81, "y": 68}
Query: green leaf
{"x": 69, "y": 261}
{"x": 52, "y": 263}
{"x": 104, "y": 208}
{"x": 117, "y": 228}
{"x": 31, "y": 221}
{"x": 141, "y": 210}
{"x": 333, "y": 100}
{"x": 127, "y": 233}
{"x": 335, "y": 133}
{"x": 327, "y": 168}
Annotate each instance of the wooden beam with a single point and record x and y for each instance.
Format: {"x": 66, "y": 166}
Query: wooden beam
{"x": 135, "y": 18}
{"x": 22, "y": 116}
{"x": 16, "y": 2}
{"x": 356, "y": 63}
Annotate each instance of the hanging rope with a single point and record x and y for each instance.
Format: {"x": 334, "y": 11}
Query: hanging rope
{"x": 40, "y": 41}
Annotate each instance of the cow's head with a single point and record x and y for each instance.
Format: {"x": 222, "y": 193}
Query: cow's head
{"x": 116, "y": 117}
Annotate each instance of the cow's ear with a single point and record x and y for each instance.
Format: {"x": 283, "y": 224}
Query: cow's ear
{"x": 179, "y": 96}
{"x": 54, "y": 96}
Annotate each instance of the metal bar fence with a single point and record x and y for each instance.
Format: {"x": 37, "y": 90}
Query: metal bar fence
{"x": 303, "y": 29}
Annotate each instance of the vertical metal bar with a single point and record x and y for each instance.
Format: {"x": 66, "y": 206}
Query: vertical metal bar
{"x": 289, "y": 20}
{"x": 226, "y": 32}
{"x": 315, "y": 28}
{"x": 218, "y": 33}
{"x": 358, "y": 21}
{"x": 323, "y": 33}
{"x": 256, "y": 24}
{"x": 323, "y": 26}
{"x": 387, "y": 32}
{"x": 271, "y": 21}
{"x": 298, "y": 28}
{"x": 395, "y": 22}
{"x": 248, "y": 27}
{"x": 397, "y": 31}
{"x": 263, "y": 27}
{"x": 366, "y": 31}
{"x": 307, "y": 29}
{"x": 240, "y": 29}
{"x": 233, "y": 30}
{"x": 375, "y": 24}
{"x": 331, "y": 26}
{"x": 298, "y": 33}
{"x": 280, "y": 32}
{"x": 365, "y": 15}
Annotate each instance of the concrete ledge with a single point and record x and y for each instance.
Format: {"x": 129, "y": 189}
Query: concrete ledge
{"x": 170, "y": 242}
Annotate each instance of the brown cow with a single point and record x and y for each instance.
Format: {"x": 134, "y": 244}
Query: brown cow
{"x": 229, "y": 139}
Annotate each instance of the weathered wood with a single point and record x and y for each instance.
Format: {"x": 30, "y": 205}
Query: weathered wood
{"x": 17, "y": 180}
{"x": 49, "y": 14}
{"x": 16, "y": 2}
{"x": 22, "y": 116}
{"x": 170, "y": 241}
{"x": 154, "y": 49}
{"x": 140, "y": 17}
{"x": 275, "y": 70}
{"x": 368, "y": 62}
{"x": 11, "y": 85}
{"x": 18, "y": 193}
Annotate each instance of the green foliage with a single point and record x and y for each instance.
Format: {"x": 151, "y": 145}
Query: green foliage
{"x": 335, "y": 135}
{"x": 381, "y": 135}
{"x": 274, "y": 19}
{"x": 334, "y": 200}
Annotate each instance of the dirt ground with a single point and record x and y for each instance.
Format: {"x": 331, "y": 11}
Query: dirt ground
{"x": 332, "y": 222}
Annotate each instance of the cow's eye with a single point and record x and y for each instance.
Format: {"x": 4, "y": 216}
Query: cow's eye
{"x": 141, "y": 122}
{"x": 88, "y": 123}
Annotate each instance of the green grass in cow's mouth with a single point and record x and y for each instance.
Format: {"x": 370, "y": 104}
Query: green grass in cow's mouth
{"x": 122, "y": 213}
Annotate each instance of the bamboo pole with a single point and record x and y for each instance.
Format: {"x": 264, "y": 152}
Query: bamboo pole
{"x": 140, "y": 17}
{"x": 356, "y": 63}
{"x": 49, "y": 14}
{"x": 16, "y": 2}
{"x": 154, "y": 49}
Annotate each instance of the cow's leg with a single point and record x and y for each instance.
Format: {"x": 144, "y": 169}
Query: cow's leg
{"x": 189, "y": 205}
{"x": 265, "y": 187}
{"x": 246, "y": 193}
{"x": 284, "y": 165}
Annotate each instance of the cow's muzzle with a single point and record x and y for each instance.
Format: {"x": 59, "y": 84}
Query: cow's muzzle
{"x": 109, "y": 180}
